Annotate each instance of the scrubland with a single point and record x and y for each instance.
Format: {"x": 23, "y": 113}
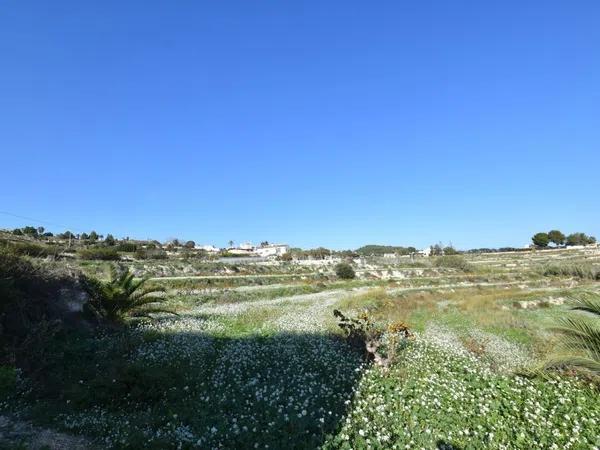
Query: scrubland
{"x": 255, "y": 358}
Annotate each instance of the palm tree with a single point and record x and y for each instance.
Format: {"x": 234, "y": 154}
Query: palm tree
{"x": 580, "y": 336}
{"x": 123, "y": 296}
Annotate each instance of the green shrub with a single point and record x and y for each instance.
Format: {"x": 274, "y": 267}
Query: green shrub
{"x": 8, "y": 381}
{"x": 578, "y": 270}
{"x": 580, "y": 335}
{"x": 286, "y": 257}
{"x": 122, "y": 296}
{"x": 29, "y": 312}
{"x": 31, "y": 249}
{"x": 128, "y": 247}
{"x": 450, "y": 251}
{"x": 99, "y": 253}
{"x": 453, "y": 262}
{"x": 150, "y": 253}
{"x": 345, "y": 271}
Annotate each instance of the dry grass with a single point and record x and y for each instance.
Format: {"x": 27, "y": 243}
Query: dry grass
{"x": 485, "y": 308}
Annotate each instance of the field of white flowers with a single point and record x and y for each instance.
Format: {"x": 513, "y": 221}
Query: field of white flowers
{"x": 276, "y": 373}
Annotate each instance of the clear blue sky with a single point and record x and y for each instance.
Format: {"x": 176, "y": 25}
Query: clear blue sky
{"x": 336, "y": 123}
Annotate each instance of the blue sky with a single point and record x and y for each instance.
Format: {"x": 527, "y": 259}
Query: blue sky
{"x": 336, "y": 123}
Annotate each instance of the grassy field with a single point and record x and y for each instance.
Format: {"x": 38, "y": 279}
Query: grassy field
{"x": 251, "y": 363}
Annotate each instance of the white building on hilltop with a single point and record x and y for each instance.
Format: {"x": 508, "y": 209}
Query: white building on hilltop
{"x": 272, "y": 250}
{"x": 425, "y": 252}
{"x": 246, "y": 246}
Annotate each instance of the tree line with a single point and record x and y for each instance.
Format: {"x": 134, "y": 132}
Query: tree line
{"x": 559, "y": 239}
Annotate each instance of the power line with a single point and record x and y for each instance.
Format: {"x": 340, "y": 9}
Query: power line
{"x": 6, "y": 213}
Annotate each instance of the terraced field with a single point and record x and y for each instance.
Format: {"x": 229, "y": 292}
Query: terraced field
{"x": 259, "y": 365}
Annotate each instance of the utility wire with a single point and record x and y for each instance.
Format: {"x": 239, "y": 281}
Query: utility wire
{"x": 6, "y": 213}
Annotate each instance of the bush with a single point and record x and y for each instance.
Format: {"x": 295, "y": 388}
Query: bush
{"x": 31, "y": 249}
{"x": 453, "y": 262}
{"x": 29, "y": 311}
{"x": 122, "y": 296}
{"x": 8, "y": 381}
{"x": 583, "y": 271}
{"x": 150, "y": 253}
{"x": 286, "y": 257}
{"x": 128, "y": 247}
{"x": 580, "y": 335}
{"x": 450, "y": 251}
{"x": 101, "y": 253}
{"x": 345, "y": 271}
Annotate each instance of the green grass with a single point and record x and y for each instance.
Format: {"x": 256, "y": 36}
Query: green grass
{"x": 251, "y": 368}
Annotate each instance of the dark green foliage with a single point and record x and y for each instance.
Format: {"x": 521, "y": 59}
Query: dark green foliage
{"x": 8, "y": 381}
{"x": 122, "y": 296}
{"x": 357, "y": 330}
{"x": 556, "y": 237}
{"x": 150, "y": 253}
{"x": 29, "y": 312}
{"x": 128, "y": 247}
{"x": 380, "y": 250}
{"x": 580, "y": 239}
{"x": 29, "y": 231}
{"x": 99, "y": 253}
{"x": 110, "y": 240}
{"x": 541, "y": 239}
{"x": 190, "y": 244}
{"x": 580, "y": 335}
{"x": 437, "y": 250}
{"x": 93, "y": 236}
{"x": 453, "y": 262}
{"x": 450, "y": 251}
{"x": 497, "y": 250}
{"x": 345, "y": 271}
{"x": 577, "y": 270}
{"x": 318, "y": 253}
{"x": 27, "y": 248}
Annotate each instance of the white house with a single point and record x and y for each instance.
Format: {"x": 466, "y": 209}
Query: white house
{"x": 246, "y": 246}
{"x": 272, "y": 250}
{"x": 425, "y": 252}
{"x": 210, "y": 249}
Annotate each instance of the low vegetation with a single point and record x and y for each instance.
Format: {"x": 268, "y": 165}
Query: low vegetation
{"x": 345, "y": 271}
{"x": 99, "y": 253}
{"x": 580, "y": 335}
{"x": 578, "y": 270}
{"x": 122, "y": 296}
{"x": 453, "y": 262}
{"x": 436, "y": 353}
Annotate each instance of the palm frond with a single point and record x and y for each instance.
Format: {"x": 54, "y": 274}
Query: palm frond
{"x": 589, "y": 303}
{"x": 592, "y": 365}
{"x": 579, "y": 344}
{"x": 123, "y": 295}
{"x": 143, "y": 291}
